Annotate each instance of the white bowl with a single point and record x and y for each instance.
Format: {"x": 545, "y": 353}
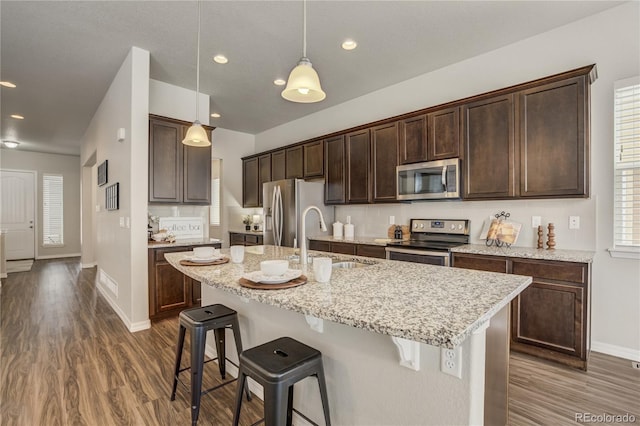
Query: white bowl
{"x": 159, "y": 236}
{"x": 274, "y": 267}
{"x": 203, "y": 252}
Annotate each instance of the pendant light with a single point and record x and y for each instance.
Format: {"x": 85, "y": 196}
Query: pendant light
{"x": 197, "y": 135}
{"x": 303, "y": 84}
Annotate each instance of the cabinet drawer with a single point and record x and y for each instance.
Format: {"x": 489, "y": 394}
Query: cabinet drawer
{"x": 159, "y": 253}
{"x": 253, "y": 240}
{"x": 559, "y": 271}
{"x": 343, "y": 248}
{"x": 480, "y": 263}
{"x": 371, "y": 251}
{"x": 319, "y": 245}
{"x": 236, "y": 239}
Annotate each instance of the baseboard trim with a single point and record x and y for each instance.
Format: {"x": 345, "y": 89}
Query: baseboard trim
{"x": 3, "y": 275}
{"x": 58, "y": 256}
{"x": 88, "y": 265}
{"x": 614, "y": 350}
{"x": 132, "y": 327}
{"x": 139, "y": 326}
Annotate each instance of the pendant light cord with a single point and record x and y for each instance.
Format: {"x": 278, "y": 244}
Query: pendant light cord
{"x": 198, "y": 68}
{"x": 304, "y": 28}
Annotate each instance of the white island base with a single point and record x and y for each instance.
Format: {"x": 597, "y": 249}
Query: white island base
{"x": 366, "y": 383}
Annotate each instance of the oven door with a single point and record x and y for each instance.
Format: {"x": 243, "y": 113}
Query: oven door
{"x": 440, "y": 258}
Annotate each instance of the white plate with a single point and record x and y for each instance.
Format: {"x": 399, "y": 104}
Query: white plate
{"x": 195, "y": 259}
{"x": 259, "y": 277}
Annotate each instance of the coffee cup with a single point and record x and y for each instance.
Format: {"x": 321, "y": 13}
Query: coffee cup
{"x": 322, "y": 267}
{"x": 237, "y": 254}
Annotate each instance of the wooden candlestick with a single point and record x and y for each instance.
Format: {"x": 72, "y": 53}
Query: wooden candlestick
{"x": 540, "y": 241}
{"x": 551, "y": 238}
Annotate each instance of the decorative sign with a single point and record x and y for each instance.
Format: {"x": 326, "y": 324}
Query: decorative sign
{"x": 102, "y": 173}
{"x": 183, "y": 228}
{"x": 112, "y": 197}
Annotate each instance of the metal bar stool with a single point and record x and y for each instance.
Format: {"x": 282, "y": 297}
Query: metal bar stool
{"x": 200, "y": 320}
{"x": 277, "y": 366}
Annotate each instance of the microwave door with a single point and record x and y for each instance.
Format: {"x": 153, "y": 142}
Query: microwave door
{"x": 444, "y": 179}
{"x": 417, "y": 182}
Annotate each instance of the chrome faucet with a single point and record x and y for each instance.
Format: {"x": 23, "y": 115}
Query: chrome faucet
{"x": 303, "y": 238}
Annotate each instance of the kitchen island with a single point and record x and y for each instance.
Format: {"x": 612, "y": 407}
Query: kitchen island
{"x": 350, "y": 320}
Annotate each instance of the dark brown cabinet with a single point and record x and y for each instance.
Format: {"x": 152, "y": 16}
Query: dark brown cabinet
{"x": 264, "y": 174}
{"x": 250, "y": 179}
{"x": 278, "y": 162}
{"x": 294, "y": 164}
{"x": 313, "y": 159}
{"x": 384, "y": 159}
{"x": 444, "y": 130}
{"x": 358, "y": 166}
{"x": 412, "y": 145}
{"x": 169, "y": 290}
{"x": 178, "y": 174}
{"x": 553, "y": 151}
{"x": 550, "y": 319}
{"x": 369, "y": 250}
{"x": 366, "y": 250}
{"x": 248, "y": 239}
{"x": 335, "y": 170}
{"x": 489, "y": 148}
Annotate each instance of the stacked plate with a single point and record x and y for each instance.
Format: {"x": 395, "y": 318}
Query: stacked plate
{"x": 260, "y": 277}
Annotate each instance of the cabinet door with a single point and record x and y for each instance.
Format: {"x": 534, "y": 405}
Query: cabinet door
{"x": 313, "y": 159}
{"x": 343, "y": 248}
{"x": 489, "y": 165}
{"x": 554, "y": 151}
{"x": 173, "y": 290}
{"x": 480, "y": 263}
{"x": 196, "y": 175}
{"x": 319, "y": 245}
{"x": 413, "y": 140}
{"x": 384, "y": 159}
{"x": 264, "y": 174}
{"x": 444, "y": 134}
{"x": 371, "y": 251}
{"x": 250, "y": 197}
{"x": 165, "y": 161}
{"x": 294, "y": 164}
{"x": 252, "y": 240}
{"x": 358, "y": 166}
{"x": 335, "y": 165}
{"x": 236, "y": 239}
{"x": 278, "y": 171}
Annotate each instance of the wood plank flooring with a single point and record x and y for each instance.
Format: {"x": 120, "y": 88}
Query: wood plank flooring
{"x": 67, "y": 359}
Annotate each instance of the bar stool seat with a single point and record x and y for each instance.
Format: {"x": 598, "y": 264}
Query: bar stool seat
{"x": 277, "y": 365}
{"x": 198, "y": 321}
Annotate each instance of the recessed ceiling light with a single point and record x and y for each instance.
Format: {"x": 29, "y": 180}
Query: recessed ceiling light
{"x": 7, "y": 84}
{"x": 215, "y": 115}
{"x": 221, "y": 59}
{"x": 349, "y": 44}
{"x": 11, "y": 144}
{"x": 17, "y": 116}
{"x": 279, "y": 82}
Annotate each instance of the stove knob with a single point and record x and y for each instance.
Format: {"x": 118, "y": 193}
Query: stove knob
{"x": 422, "y": 226}
{"x": 460, "y": 227}
{"x": 453, "y": 227}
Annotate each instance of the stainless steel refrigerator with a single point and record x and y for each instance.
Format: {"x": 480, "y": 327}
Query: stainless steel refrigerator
{"x": 283, "y": 202}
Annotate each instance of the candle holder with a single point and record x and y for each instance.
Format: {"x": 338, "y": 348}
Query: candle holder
{"x": 551, "y": 237}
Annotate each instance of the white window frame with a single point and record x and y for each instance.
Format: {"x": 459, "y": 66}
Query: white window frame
{"x": 626, "y": 249}
{"x": 45, "y": 209}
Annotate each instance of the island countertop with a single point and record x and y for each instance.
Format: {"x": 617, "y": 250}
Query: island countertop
{"x": 431, "y": 304}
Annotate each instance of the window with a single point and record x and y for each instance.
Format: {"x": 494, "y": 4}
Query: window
{"x": 52, "y": 211}
{"x": 627, "y": 164}
{"x": 214, "y": 209}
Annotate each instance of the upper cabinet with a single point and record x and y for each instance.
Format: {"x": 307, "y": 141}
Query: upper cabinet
{"x": 384, "y": 159}
{"x": 278, "y": 165}
{"x": 264, "y": 173}
{"x": 358, "y": 166}
{"x": 178, "y": 174}
{"x": 294, "y": 164}
{"x": 314, "y": 159}
{"x": 335, "y": 170}
{"x": 444, "y": 129}
{"x": 412, "y": 145}
{"x": 250, "y": 176}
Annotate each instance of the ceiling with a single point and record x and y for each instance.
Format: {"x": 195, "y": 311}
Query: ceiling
{"x": 62, "y": 55}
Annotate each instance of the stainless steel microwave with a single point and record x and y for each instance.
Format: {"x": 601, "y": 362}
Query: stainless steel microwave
{"x": 429, "y": 181}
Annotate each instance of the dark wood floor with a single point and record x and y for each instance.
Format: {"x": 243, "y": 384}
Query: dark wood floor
{"x": 67, "y": 359}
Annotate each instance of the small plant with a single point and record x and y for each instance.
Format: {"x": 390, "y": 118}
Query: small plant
{"x": 246, "y": 219}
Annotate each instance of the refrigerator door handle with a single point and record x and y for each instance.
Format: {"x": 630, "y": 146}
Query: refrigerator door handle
{"x": 280, "y": 216}
{"x": 274, "y": 215}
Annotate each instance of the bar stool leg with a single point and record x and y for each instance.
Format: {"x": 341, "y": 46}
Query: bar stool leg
{"x": 275, "y": 405}
{"x": 290, "y": 406}
{"x": 235, "y": 326}
{"x": 242, "y": 378}
{"x": 176, "y": 370}
{"x": 198, "y": 337}
{"x": 219, "y": 334}
{"x": 323, "y": 394}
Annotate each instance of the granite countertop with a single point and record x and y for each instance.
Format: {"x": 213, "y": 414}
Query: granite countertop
{"x": 178, "y": 243}
{"x": 377, "y": 241}
{"x": 580, "y": 256}
{"x": 431, "y": 304}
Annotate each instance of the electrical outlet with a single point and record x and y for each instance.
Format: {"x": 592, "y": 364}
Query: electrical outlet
{"x": 392, "y": 220}
{"x": 451, "y": 361}
{"x": 635, "y": 364}
{"x": 574, "y": 222}
{"x": 536, "y": 221}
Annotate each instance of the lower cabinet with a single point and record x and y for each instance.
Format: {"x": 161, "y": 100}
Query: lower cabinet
{"x": 550, "y": 319}
{"x": 367, "y": 250}
{"x": 170, "y": 291}
{"x": 240, "y": 239}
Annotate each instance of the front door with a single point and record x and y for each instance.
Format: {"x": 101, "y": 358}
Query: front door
{"x": 17, "y": 217}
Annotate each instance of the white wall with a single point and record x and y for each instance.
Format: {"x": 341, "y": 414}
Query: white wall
{"x": 121, "y": 252}
{"x": 69, "y": 167}
{"x": 611, "y": 40}
{"x": 177, "y": 102}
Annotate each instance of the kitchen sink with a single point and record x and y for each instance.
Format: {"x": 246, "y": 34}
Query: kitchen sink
{"x": 349, "y": 265}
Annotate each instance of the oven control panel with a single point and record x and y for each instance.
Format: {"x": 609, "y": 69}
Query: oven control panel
{"x": 440, "y": 226}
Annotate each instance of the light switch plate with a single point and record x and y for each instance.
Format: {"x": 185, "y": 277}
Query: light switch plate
{"x": 392, "y": 220}
{"x": 536, "y": 221}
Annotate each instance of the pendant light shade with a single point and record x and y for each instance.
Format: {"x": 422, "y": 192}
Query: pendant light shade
{"x": 303, "y": 85}
{"x": 197, "y": 135}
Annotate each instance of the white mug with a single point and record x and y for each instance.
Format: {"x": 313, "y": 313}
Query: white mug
{"x": 322, "y": 267}
{"x": 237, "y": 254}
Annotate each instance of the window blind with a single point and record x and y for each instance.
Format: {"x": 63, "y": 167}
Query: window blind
{"x": 52, "y": 210}
{"x": 627, "y": 163}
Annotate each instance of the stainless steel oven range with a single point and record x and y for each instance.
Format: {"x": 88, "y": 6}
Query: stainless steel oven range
{"x": 430, "y": 241}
